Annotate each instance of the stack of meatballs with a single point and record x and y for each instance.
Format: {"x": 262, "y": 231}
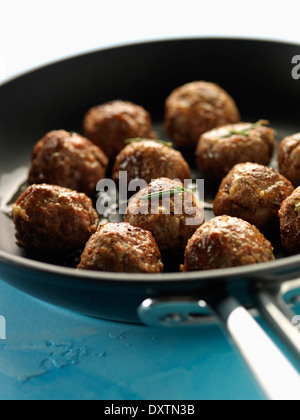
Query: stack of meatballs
{"x": 56, "y": 214}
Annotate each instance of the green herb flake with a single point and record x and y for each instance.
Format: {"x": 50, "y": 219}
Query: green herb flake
{"x": 244, "y": 131}
{"x": 297, "y": 205}
{"x": 175, "y": 191}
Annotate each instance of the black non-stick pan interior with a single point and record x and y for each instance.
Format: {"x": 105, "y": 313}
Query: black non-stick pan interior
{"x": 258, "y": 74}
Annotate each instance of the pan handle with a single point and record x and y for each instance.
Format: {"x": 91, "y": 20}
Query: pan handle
{"x": 271, "y": 302}
{"x": 274, "y": 373}
{"x": 276, "y": 376}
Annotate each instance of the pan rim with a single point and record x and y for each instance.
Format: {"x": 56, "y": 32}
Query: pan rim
{"x": 146, "y": 41}
{"x": 247, "y": 271}
{"x": 20, "y": 262}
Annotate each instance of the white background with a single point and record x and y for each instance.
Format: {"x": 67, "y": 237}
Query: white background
{"x": 37, "y": 32}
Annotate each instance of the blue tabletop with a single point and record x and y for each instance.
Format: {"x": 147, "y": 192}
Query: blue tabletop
{"x": 51, "y": 353}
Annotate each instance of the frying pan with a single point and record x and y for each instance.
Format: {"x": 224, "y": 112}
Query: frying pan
{"x": 258, "y": 74}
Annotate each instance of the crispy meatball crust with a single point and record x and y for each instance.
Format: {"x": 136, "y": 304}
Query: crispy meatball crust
{"x": 53, "y": 219}
{"x": 289, "y": 158}
{"x": 68, "y": 160}
{"x": 171, "y": 228}
{"x": 150, "y": 160}
{"x": 110, "y": 124}
{"x": 216, "y": 156}
{"x": 226, "y": 242}
{"x": 254, "y": 193}
{"x": 289, "y": 216}
{"x": 120, "y": 247}
{"x": 195, "y": 108}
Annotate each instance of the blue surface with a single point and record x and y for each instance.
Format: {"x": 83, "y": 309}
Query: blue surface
{"x": 51, "y": 353}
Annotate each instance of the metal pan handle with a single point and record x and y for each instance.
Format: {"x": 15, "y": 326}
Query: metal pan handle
{"x": 274, "y": 304}
{"x": 276, "y": 376}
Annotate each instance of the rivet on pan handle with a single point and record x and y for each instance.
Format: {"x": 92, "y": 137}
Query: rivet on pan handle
{"x": 276, "y": 376}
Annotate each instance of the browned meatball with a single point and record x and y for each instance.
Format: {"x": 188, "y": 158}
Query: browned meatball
{"x": 120, "y": 247}
{"x": 226, "y": 242}
{"x": 110, "y": 124}
{"x": 68, "y": 160}
{"x": 289, "y": 216}
{"x": 149, "y": 160}
{"x": 53, "y": 219}
{"x": 195, "y": 108}
{"x": 172, "y": 219}
{"x": 254, "y": 193}
{"x": 289, "y": 158}
{"x": 219, "y": 150}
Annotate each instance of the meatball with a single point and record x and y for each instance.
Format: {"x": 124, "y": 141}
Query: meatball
{"x": 289, "y": 158}
{"x": 120, "y": 247}
{"x": 110, "y": 124}
{"x": 68, "y": 160}
{"x": 220, "y": 149}
{"x": 226, "y": 242}
{"x": 149, "y": 160}
{"x": 172, "y": 218}
{"x": 289, "y": 216}
{"x": 254, "y": 193}
{"x": 53, "y": 219}
{"x": 195, "y": 108}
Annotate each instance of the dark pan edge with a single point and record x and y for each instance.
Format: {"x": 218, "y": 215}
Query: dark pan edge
{"x": 149, "y": 41}
{"x": 276, "y": 268}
